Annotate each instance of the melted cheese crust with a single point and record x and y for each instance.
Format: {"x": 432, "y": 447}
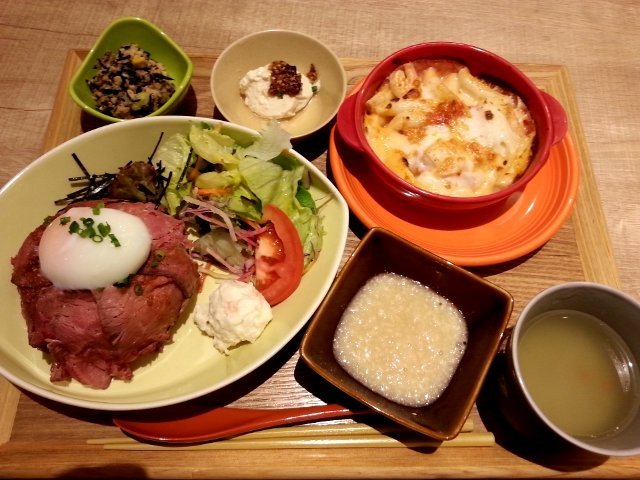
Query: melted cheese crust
{"x": 442, "y": 129}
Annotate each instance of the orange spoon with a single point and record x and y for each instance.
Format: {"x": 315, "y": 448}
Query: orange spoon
{"x": 227, "y": 421}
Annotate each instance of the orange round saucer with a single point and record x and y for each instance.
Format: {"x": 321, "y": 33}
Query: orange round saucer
{"x": 487, "y": 236}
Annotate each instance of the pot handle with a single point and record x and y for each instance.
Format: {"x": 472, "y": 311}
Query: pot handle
{"x": 558, "y": 117}
{"x": 346, "y": 123}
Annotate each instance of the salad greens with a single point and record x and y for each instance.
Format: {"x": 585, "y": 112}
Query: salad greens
{"x": 175, "y": 154}
{"x": 209, "y": 166}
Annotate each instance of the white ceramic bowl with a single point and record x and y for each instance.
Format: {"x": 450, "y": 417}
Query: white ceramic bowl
{"x": 190, "y": 366}
{"x": 262, "y": 48}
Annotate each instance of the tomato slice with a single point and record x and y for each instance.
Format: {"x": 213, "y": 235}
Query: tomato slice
{"x": 279, "y": 256}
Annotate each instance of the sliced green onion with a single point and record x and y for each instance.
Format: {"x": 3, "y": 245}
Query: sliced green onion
{"x": 104, "y": 229}
{"x": 96, "y": 209}
{"x": 114, "y": 240}
{"x": 124, "y": 282}
{"x": 88, "y": 232}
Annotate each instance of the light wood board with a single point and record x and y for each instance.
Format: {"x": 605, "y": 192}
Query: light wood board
{"x": 43, "y": 439}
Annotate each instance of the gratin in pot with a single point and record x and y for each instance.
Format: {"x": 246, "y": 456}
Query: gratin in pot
{"x": 547, "y": 113}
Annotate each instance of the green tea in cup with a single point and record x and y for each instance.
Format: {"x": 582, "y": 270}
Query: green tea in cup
{"x": 580, "y": 372}
{"x": 573, "y": 354}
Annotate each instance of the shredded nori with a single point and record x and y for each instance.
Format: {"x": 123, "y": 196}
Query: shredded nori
{"x": 136, "y": 181}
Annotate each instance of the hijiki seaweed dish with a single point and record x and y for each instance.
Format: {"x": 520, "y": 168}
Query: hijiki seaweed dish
{"x": 129, "y": 83}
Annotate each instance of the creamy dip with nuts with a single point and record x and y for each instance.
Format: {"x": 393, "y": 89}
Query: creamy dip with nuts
{"x": 401, "y": 340}
{"x": 278, "y": 91}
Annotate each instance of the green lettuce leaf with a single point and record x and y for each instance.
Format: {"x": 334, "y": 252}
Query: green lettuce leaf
{"x": 175, "y": 155}
{"x": 272, "y": 142}
{"x": 283, "y": 187}
{"x": 213, "y": 146}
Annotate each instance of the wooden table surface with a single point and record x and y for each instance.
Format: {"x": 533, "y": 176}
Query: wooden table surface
{"x": 597, "y": 44}
{"x": 597, "y": 40}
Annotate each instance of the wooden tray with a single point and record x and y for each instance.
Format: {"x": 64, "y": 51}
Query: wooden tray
{"x": 39, "y": 438}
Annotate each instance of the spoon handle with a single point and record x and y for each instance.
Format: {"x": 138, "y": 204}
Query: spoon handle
{"x": 283, "y": 416}
{"x": 227, "y": 421}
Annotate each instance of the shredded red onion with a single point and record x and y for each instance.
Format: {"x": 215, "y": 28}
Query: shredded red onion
{"x": 216, "y": 210}
{"x": 210, "y": 213}
{"x": 227, "y": 265}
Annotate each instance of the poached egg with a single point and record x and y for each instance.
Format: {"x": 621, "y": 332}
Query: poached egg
{"x": 89, "y": 248}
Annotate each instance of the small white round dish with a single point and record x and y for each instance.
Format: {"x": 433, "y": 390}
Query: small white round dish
{"x": 262, "y": 48}
{"x": 189, "y": 366}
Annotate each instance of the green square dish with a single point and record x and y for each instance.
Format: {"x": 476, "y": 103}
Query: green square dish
{"x": 147, "y": 36}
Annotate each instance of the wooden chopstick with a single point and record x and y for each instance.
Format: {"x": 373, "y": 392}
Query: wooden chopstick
{"x": 302, "y": 431}
{"x": 356, "y": 435}
{"x": 470, "y": 439}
